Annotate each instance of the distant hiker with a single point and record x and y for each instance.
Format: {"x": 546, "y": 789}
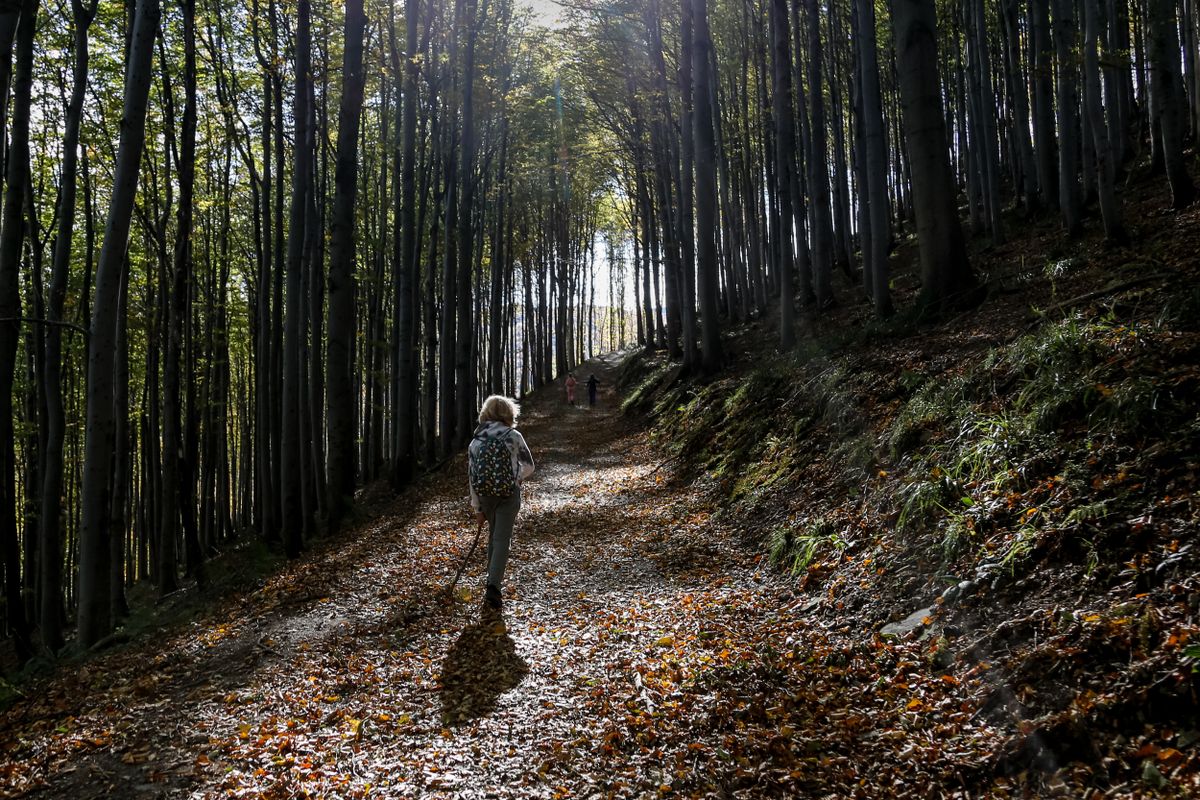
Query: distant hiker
{"x": 571, "y": 387}
{"x": 500, "y": 462}
{"x": 592, "y": 383}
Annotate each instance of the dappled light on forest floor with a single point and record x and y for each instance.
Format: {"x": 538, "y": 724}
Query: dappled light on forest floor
{"x": 643, "y": 649}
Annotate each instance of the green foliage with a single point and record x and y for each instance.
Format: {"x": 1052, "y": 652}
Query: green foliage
{"x": 795, "y": 550}
{"x": 979, "y": 437}
{"x": 920, "y": 502}
{"x": 639, "y": 398}
{"x": 929, "y": 408}
{"x": 1020, "y": 546}
{"x": 1134, "y": 404}
{"x": 1191, "y": 655}
{"x": 1090, "y": 512}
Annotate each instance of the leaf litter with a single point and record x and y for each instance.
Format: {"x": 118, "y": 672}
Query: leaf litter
{"x": 644, "y": 650}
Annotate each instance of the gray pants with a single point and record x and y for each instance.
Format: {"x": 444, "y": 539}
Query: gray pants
{"x": 501, "y": 513}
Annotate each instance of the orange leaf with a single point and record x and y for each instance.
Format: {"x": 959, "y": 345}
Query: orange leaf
{"x": 1170, "y": 756}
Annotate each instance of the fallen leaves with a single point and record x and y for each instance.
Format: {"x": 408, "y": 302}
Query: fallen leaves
{"x": 643, "y": 651}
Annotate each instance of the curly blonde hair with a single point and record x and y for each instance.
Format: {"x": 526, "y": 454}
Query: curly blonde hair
{"x": 498, "y": 408}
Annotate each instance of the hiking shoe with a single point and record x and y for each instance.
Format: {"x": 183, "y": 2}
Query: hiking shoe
{"x": 492, "y": 597}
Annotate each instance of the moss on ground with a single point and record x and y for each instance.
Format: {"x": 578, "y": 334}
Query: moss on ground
{"x": 986, "y": 460}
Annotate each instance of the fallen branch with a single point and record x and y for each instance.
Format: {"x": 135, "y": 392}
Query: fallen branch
{"x": 1084, "y": 298}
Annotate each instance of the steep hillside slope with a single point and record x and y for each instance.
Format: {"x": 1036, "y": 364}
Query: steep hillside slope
{"x": 1010, "y": 492}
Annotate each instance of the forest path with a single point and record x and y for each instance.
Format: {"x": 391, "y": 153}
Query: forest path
{"x": 643, "y": 650}
{"x": 352, "y": 673}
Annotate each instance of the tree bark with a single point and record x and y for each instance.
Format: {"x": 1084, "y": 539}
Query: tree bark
{"x": 818, "y": 166}
{"x": 292, "y": 488}
{"x": 1067, "y": 104}
{"x": 12, "y": 236}
{"x": 1167, "y": 99}
{"x": 1045, "y": 144}
{"x": 464, "y": 368}
{"x": 1106, "y": 168}
{"x": 785, "y": 172}
{"x": 409, "y": 257}
{"x": 707, "y": 219}
{"x": 1019, "y": 90}
{"x": 342, "y": 321}
{"x": 177, "y": 486}
{"x": 947, "y": 281}
{"x": 50, "y": 555}
{"x": 95, "y": 620}
{"x": 876, "y": 194}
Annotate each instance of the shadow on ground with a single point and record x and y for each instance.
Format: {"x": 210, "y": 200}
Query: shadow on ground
{"x": 482, "y": 665}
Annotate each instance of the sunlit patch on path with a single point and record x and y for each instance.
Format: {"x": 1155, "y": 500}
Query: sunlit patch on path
{"x": 641, "y": 650}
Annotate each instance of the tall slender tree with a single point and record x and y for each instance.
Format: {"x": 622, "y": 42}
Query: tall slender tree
{"x": 95, "y": 620}
{"x": 1067, "y": 105}
{"x": 291, "y": 495}
{"x": 947, "y": 280}
{"x": 706, "y": 117}
{"x": 1167, "y": 98}
{"x": 786, "y": 177}
{"x": 875, "y": 193}
{"x": 12, "y": 236}
{"x": 1106, "y": 167}
{"x": 407, "y": 258}
{"x": 342, "y": 322}
{"x": 50, "y": 553}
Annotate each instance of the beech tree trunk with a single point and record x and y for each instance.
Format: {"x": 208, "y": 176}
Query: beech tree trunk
{"x": 12, "y": 236}
{"x": 689, "y": 90}
{"x": 786, "y": 179}
{"x": 342, "y": 321}
{"x": 1019, "y": 90}
{"x": 406, "y": 270}
{"x": 464, "y": 375}
{"x": 947, "y": 281}
{"x": 707, "y": 219}
{"x": 50, "y": 553}
{"x": 1045, "y": 144}
{"x": 1067, "y": 104}
{"x": 818, "y": 167}
{"x": 1106, "y": 168}
{"x": 177, "y": 484}
{"x": 1167, "y": 99}
{"x": 875, "y": 196}
{"x": 95, "y": 620}
{"x": 292, "y": 488}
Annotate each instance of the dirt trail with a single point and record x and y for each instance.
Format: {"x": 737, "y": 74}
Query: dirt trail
{"x": 351, "y": 674}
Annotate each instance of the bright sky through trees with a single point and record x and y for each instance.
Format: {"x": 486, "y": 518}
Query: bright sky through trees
{"x": 547, "y": 12}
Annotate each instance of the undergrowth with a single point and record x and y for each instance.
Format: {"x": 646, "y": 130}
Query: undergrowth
{"x": 1029, "y": 415}
{"x": 986, "y": 460}
{"x": 796, "y": 549}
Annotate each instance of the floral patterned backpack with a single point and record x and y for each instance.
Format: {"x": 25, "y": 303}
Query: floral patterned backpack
{"x": 491, "y": 467}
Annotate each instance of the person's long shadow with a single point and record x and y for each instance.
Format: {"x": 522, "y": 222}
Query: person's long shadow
{"x": 482, "y": 665}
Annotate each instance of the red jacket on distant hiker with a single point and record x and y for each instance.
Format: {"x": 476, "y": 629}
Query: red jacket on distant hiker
{"x": 571, "y": 388}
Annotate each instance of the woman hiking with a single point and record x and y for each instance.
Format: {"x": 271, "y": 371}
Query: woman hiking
{"x": 571, "y": 388}
{"x": 592, "y": 384}
{"x": 500, "y": 462}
